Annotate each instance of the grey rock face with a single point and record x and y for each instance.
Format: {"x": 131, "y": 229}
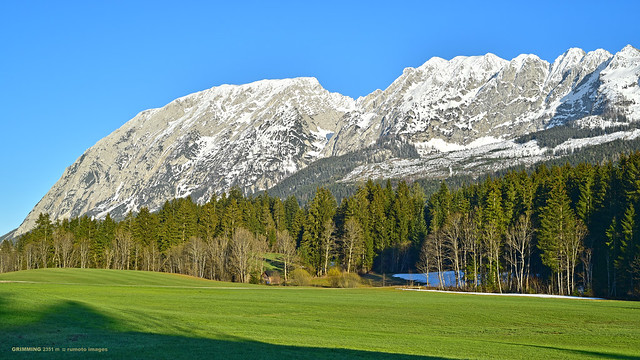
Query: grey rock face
{"x": 249, "y": 136}
{"x": 255, "y": 135}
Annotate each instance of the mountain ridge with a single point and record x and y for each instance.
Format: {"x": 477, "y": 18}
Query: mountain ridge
{"x": 255, "y": 135}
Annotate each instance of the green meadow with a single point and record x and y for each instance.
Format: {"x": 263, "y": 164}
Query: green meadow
{"x": 135, "y": 314}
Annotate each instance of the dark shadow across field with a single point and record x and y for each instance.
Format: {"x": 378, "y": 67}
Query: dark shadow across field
{"x": 581, "y": 353}
{"x": 74, "y": 325}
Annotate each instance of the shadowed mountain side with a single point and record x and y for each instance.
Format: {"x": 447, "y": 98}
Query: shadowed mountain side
{"x": 74, "y": 325}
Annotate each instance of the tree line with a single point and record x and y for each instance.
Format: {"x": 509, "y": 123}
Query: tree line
{"x": 561, "y": 229}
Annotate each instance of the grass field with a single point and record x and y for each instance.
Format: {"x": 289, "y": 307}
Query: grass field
{"x": 153, "y": 315}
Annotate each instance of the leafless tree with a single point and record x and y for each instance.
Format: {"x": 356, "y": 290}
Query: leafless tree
{"x": 287, "y": 247}
{"x": 328, "y": 243}
{"x": 471, "y": 245}
{"x": 217, "y": 254}
{"x": 66, "y": 249}
{"x": 42, "y": 252}
{"x": 122, "y": 249}
{"x": 30, "y": 256}
{"x": 150, "y": 257}
{"x": 573, "y": 247}
{"x": 492, "y": 238}
{"x": 175, "y": 259}
{"x": 62, "y": 247}
{"x": 197, "y": 256}
{"x": 587, "y": 264}
{"x": 352, "y": 241}
{"x": 109, "y": 254}
{"x": 519, "y": 242}
{"x": 452, "y": 234}
{"x": 242, "y": 244}
{"x": 83, "y": 251}
{"x": 424, "y": 261}
{"x": 432, "y": 256}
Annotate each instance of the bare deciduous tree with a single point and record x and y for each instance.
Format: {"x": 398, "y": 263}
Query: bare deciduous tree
{"x": 352, "y": 241}
{"x": 424, "y": 261}
{"x": 122, "y": 249}
{"x": 62, "y": 247}
{"x": 432, "y": 257}
{"x": 519, "y": 242}
{"x": 492, "y": 237}
{"x": 42, "y": 252}
{"x": 471, "y": 246}
{"x": 242, "y": 244}
{"x": 452, "y": 233}
{"x": 83, "y": 250}
{"x": 197, "y": 255}
{"x": 328, "y": 243}
{"x": 216, "y": 252}
{"x": 287, "y": 247}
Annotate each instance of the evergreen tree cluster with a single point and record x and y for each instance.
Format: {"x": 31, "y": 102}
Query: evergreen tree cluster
{"x": 556, "y": 135}
{"x": 560, "y": 229}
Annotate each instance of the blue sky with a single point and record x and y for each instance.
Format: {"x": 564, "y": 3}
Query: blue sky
{"x": 73, "y": 72}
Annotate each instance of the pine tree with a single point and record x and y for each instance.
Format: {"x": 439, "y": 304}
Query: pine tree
{"x": 322, "y": 208}
{"x": 291, "y": 209}
{"x": 186, "y": 219}
{"x": 101, "y": 246}
{"x": 629, "y": 246}
{"x": 42, "y": 237}
{"x": 557, "y": 233}
{"x": 613, "y": 245}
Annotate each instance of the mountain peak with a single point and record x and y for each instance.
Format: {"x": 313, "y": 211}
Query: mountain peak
{"x": 629, "y": 51}
{"x": 434, "y": 62}
{"x": 308, "y": 81}
{"x": 573, "y": 55}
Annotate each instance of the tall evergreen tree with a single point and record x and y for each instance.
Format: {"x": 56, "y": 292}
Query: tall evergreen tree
{"x": 322, "y": 208}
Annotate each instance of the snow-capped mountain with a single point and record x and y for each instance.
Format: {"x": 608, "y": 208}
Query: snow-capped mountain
{"x": 466, "y": 99}
{"x": 460, "y": 114}
{"x": 249, "y": 136}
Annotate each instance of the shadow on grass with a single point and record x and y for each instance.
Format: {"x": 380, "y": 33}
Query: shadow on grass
{"x": 575, "y": 352}
{"x": 275, "y": 264}
{"x": 379, "y": 280}
{"x": 74, "y": 326}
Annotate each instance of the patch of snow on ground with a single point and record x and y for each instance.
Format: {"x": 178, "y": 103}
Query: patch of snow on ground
{"x": 321, "y": 133}
{"x": 443, "y": 146}
{"x": 573, "y": 144}
{"x": 548, "y": 296}
{"x": 485, "y": 140}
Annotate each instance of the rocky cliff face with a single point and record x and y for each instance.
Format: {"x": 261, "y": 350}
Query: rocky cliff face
{"x": 249, "y": 136}
{"x": 255, "y": 135}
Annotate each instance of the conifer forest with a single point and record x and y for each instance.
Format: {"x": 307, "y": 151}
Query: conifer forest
{"x": 571, "y": 230}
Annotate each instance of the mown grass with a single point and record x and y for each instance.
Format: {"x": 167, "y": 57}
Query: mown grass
{"x": 152, "y": 315}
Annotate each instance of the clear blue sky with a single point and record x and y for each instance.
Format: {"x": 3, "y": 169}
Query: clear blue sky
{"x": 71, "y": 72}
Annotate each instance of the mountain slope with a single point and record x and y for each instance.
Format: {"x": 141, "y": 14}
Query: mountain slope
{"x": 463, "y": 115}
{"x": 249, "y": 136}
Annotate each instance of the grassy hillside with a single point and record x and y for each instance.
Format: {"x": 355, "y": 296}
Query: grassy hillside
{"x": 152, "y": 315}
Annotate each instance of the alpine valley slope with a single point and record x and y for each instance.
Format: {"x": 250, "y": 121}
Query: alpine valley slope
{"x": 461, "y": 114}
